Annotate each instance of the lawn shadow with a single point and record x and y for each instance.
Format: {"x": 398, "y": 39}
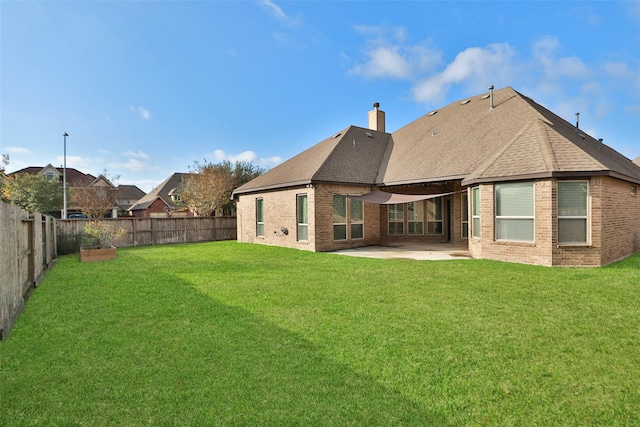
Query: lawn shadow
{"x": 169, "y": 354}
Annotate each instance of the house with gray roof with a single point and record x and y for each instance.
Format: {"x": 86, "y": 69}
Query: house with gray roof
{"x": 162, "y": 201}
{"x": 497, "y": 171}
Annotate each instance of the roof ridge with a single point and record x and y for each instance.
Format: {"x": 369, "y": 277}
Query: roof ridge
{"x": 546, "y": 148}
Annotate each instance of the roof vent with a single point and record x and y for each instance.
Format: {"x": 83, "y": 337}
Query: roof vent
{"x": 368, "y": 134}
{"x": 577, "y": 120}
{"x": 432, "y": 113}
{"x": 336, "y": 135}
{"x": 491, "y": 97}
{"x": 466, "y": 101}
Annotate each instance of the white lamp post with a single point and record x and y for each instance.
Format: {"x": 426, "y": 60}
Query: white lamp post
{"x": 64, "y": 179}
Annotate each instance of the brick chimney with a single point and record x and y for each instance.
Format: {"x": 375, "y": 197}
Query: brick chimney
{"x": 376, "y": 118}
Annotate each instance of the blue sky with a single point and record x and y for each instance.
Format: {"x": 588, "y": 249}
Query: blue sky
{"x": 146, "y": 88}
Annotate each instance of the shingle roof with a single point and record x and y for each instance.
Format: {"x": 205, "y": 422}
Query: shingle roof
{"x": 129, "y": 192}
{"x": 352, "y": 155}
{"x": 75, "y": 178}
{"x": 160, "y": 192}
{"x": 465, "y": 140}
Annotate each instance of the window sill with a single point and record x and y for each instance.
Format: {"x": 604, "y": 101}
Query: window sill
{"x": 574, "y": 245}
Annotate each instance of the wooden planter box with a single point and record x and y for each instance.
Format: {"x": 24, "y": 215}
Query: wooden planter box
{"x": 87, "y": 255}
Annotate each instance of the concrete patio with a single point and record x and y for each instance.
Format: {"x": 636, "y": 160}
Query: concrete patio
{"x": 418, "y": 251}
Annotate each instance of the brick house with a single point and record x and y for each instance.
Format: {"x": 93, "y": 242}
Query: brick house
{"x": 497, "y": 171}
{"x": 163, "y": 201}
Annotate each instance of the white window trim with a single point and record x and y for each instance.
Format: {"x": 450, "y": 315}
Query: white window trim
{"x": 298, "y": 224}
{"x": 356, "y": 222}
{"x": 496, "y": 217}
{"x": 437, "y": 220}
{"x": 395, "y": 221}
{"x": 258, "y": 223}
{"x": 464, "y": 211}
{"x": 586, "y": 217}
{"x": 473, "y": 216}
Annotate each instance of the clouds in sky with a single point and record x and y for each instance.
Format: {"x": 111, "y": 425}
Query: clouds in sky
{"x": 143, "y": 112}
{"x": 247, "y": 156}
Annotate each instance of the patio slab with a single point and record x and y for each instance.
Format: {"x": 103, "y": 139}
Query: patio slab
{"x": 418, "y": 251}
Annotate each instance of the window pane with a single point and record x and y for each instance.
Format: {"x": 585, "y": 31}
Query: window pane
{"x": 465, "y": 229}
{"x": 514, "y": 199}
{"x": 396, "y": 212}
{"x": 303, "y": 232}
{"x": 340, "y": 232}
{"x": 259, "y": 210}
{"x": 572, "y": 198}
{"x": 260, "y": 229}
{"x": 572, "y": 230}
{"x": 302, "y": 209}
{"x": 465, "y": 208}
{"x": 396, "y": 228}
{"x": 475, "y": 227}
{"x": 415, "y": 211}
{"x": 357, "y": 211}
{"x": 415, "y": 228}
{"x": 357, "y": 231}
{"x": 434, "y": 227}
{"x": 515, "y": 229}
{"x": 339, "y": 209}
{"x": 475, "y": 194}
{"x": 434, "y": 209}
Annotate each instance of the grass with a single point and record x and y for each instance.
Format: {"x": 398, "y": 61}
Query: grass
{"x": 236, "y": 334}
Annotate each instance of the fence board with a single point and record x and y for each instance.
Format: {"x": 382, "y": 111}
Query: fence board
{"x": 27, "y": 249}
{"x": 157, "y": 231}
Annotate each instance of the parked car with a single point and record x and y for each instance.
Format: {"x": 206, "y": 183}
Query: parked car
{"x": 76, "y": 216}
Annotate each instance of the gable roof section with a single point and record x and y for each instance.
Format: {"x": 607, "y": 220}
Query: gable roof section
{"x": 160, "y": 192}
{"x": 465, "y": 140}
{"x": 75, "y": 178}
{"x": 353, "y": 155}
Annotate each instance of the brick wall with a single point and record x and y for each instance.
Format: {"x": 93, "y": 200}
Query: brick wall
{"x": 280, "y": 223}
{"x": 613, "y": 221}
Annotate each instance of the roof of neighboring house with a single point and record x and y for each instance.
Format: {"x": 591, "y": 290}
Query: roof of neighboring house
{"x": 75, "y": 178}
{"x": 160, "y": 192}
{"x": 465, "y": 140}
{"x": 131, "y": 192}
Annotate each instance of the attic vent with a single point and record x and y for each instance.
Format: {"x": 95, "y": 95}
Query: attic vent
{"x": 432, "y": 113}
{"x": 336, "y": 135}
{"x": 466, "y": 101}
{"x": 486, "y": 96}
{"x": 368, "y": 134}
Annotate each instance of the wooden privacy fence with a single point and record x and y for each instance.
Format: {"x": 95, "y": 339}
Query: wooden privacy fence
{"x": 154, "y": 231}
{"x": 27, "y": 249}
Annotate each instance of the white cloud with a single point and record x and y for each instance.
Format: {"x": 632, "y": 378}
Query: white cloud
{"x": 17, "y": 150}
{"x": 544, "y": 54}
{"x": 476, "y": 66}
{"x": 77, "y": 162}
{"x": 279, "y": 14}
{"x": 387, "y": 54}
{"x": 144, "y": 113}
{"x": 248, "y": 156}
{"x": 133, "y": 165}
{"x": 139, "y": 154}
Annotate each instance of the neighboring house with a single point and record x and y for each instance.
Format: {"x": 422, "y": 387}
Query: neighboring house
{"x": 127, "y": 196}
{"x": 162, "y": 201}
{"x": 498, "y": 171}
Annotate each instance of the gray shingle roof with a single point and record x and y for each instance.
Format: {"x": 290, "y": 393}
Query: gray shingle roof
{"x": 161, "y": 192}
{"x": 465, "y": 140}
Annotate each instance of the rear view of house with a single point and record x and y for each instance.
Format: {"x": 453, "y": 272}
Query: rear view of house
{"x": 498, "y": 171}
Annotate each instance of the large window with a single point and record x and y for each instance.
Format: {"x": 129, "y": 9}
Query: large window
{"x": 434, "y": 216}
{"x": 475, "y": 211}
{"x": 302, "y": 217}
{"x": 572, "y": 212}
{"x": 415, "y": 218}
{"x": 259, "y": 217}
{"x": 464, "y": 211}
{"x": 514, "y": 210}
{"x": 357, "y": 219}
{"x": 396, "y": 219}
{"x": 339, "y": 217}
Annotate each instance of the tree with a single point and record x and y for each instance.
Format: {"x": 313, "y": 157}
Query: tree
{"x": 94, "y": 198}
{"x": 34, "y": 193}
{"x": 210, "y": 185}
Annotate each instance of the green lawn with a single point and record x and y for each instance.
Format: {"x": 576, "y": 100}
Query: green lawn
{"x": 237, "y": 334}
